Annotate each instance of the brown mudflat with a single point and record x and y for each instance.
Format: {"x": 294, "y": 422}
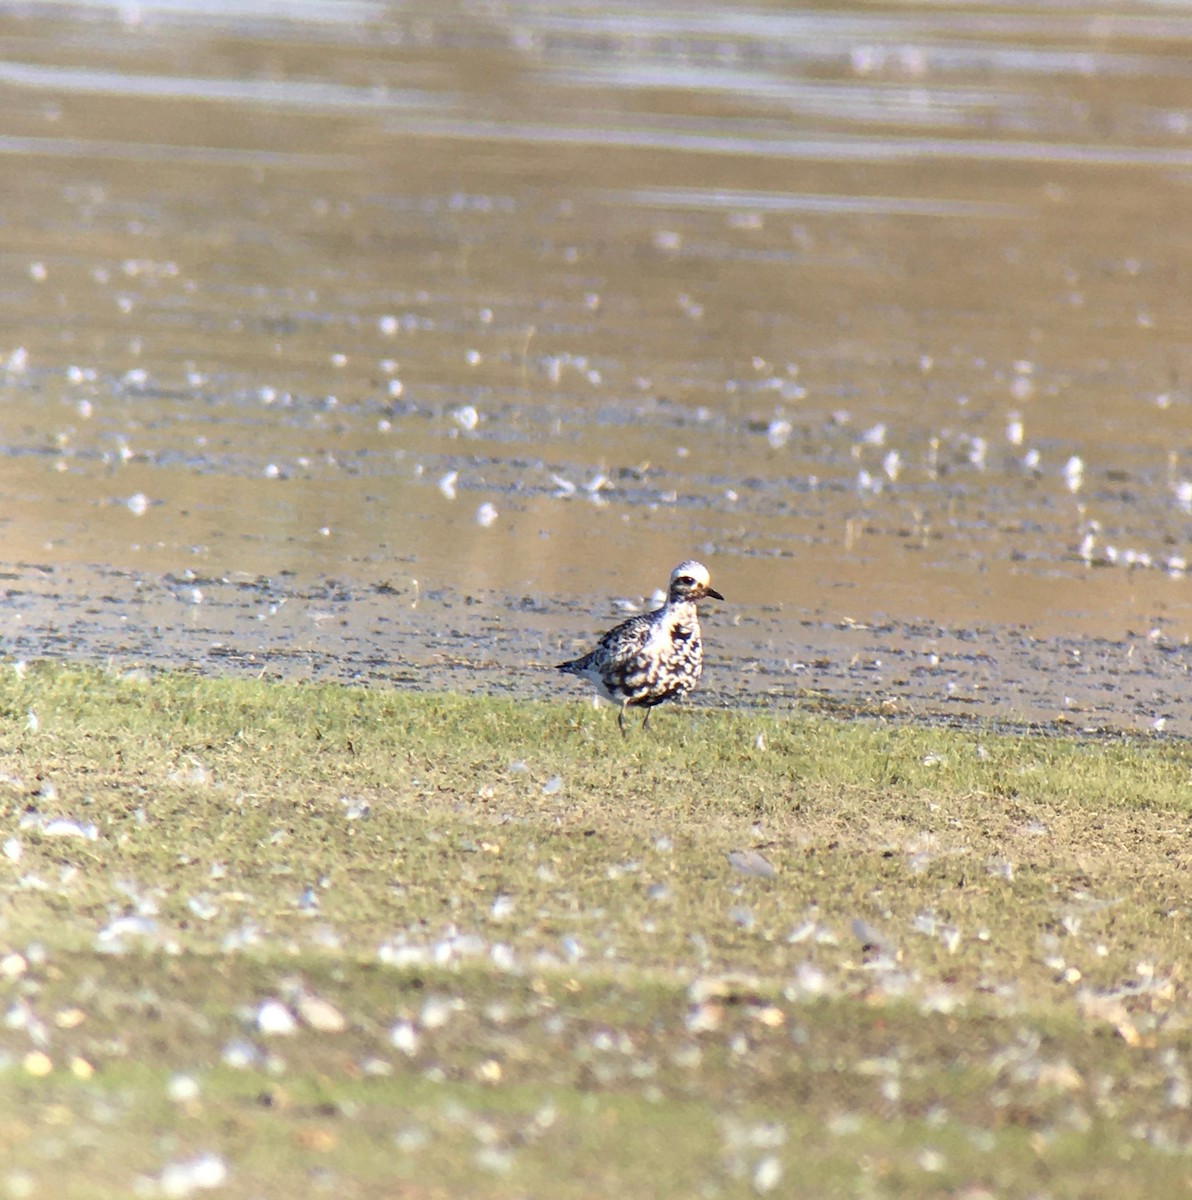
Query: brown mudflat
{"x": 402, "y": 343}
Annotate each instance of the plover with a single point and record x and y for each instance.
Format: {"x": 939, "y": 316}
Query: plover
{"x": 653, "y": 657}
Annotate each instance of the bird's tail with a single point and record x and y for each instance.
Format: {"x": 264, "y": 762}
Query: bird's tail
{"x": 574, "y": 667}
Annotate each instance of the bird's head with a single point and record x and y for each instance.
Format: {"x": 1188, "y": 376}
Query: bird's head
{"x": 690, "y": 581}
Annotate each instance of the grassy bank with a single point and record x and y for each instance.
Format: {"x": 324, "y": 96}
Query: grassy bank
{"x": 285, "y": 939}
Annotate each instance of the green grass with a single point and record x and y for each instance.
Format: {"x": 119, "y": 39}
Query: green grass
{"x": 967, "y": 976}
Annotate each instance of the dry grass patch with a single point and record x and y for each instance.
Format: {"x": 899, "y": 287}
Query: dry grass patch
{"x": 274, "y": 937}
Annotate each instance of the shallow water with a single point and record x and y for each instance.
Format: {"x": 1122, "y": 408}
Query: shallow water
{"x": 882, "y": 313}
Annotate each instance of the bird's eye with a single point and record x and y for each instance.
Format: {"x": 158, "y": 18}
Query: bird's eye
{"x": 686, "y": 580}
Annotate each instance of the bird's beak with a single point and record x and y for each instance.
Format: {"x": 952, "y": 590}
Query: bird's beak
{"x": 714, "y": 594}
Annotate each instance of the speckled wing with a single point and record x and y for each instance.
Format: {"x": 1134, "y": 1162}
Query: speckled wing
{"x": 614, "y": 648}
{"x": 633, "y": 662}
{"x": 624, "y": 643}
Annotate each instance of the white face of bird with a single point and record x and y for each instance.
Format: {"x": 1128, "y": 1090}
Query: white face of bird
{"x": 690, "y": 581}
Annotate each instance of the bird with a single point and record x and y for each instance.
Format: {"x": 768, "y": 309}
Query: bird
{"x": 654, "y": 656}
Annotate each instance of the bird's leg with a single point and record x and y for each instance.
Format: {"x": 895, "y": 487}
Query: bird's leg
{"x": 621, "y": 720}
{"x": 646, "y": 722}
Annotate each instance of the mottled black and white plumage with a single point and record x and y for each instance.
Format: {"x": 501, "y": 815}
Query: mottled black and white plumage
{"x": 653, "y": 657}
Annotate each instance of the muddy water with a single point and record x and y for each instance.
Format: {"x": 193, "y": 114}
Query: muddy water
{"x": 415, "y": 343}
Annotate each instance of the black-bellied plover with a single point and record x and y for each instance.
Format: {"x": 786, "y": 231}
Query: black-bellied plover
{"x": 653, "y": 657}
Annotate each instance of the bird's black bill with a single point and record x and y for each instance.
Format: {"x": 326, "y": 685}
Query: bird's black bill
{"x": 714, "y": 594}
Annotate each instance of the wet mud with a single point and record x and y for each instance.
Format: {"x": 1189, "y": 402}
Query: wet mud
{"x": 414, "y": 345}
